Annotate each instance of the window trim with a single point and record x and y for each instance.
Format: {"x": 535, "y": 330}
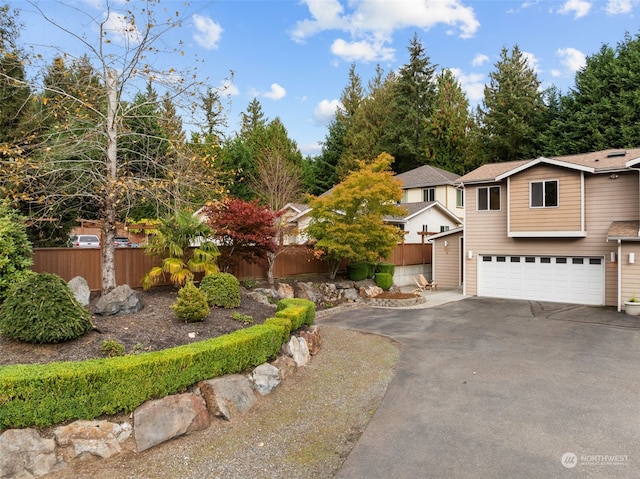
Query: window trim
{"x": 544, "y": 193}
{"x": 487, "y": 190}
{"x": 459, "y": 198}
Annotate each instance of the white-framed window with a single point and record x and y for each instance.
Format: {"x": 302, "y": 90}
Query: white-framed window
{"x": 405, "y": 196}
{"x": 489, "y": 198}
{"x": 543, "y": 194}
{"x": 443, "y": 229}
{"x": 429, "y": 194}
{"x": 459, "y": 198}
{"x": 425, "y": 228}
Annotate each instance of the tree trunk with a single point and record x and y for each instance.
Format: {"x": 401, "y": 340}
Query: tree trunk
{"x": 271, "y": 262}
{"x": 109, "y": 212}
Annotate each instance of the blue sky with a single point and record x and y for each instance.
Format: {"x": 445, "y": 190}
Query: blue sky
{"x": 294, "y": 56}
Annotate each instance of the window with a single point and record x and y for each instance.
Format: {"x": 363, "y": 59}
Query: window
{"x": 544, "y": 194}
{"x": 443, "y": 229}
{"x": 459, "y": 198}
{"x": 429, "y": 194}
{"x": 425, "y": 228}
{"x": 489, "y": 198}
{"x": 405, "y": 196}
{"x": 400, "y": 226}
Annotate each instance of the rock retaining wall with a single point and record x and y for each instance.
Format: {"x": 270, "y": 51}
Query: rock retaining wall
{"x": 28, "y": 453}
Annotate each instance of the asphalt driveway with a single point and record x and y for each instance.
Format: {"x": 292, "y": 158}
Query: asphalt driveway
{"x": 489, "y": 388}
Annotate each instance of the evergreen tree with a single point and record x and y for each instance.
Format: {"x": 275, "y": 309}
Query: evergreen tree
{"x": 408, "y": 138}
{"x": 253, "y": 119}
{"x": 603, "y": 109}
{"x": 512, "y": 110}
{"x": 451, "y": 126}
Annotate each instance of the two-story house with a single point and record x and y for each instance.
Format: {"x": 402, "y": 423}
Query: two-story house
{"x": 562, "y": 229}
{"x": 429, "y": 183}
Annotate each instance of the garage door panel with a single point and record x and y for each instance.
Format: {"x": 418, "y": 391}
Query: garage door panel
{"x": 544, "y": 278}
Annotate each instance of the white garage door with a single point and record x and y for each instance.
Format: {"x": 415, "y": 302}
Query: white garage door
{"x": 564, "y": 279}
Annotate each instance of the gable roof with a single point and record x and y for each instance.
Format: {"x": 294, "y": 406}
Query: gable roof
{"x": 426, "y": 175}
{"x": 414, "y": 209}
{"x": 595, "y": 162}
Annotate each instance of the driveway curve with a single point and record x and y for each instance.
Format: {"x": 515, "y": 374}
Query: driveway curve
{"x": 490, "y": 388}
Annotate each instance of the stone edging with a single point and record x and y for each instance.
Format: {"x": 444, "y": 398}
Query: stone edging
{"x": 395, "y": 303}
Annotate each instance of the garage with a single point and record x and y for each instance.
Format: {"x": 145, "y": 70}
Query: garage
{"x": 564, "y": 279}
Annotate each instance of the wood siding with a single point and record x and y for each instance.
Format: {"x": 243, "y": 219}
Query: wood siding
{"x": 630, "y": 272}
{"x": 565, "y": 217}
{"x": 446, "y": 261}
{"x": 606, "y": 200}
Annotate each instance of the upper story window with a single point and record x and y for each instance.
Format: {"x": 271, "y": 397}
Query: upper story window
{"x": 544, "y": 194}
{"x": 489, "y": 198}
{"x": 405, "y": 196}
{"x": 459, "y": 198}
{"x": 444, "y": 228}
{"x": 429, "y": 194}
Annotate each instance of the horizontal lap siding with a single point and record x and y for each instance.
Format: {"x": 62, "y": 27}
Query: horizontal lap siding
{"x": 446, "y": 262}
{"x": 607, "y": 200}
{"x": 565, "y": 217}
{"x": 630, "y": 272}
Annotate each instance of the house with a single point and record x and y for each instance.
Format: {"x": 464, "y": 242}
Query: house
{"x": 563, "y": 229}
{"x": 296, "y": 217}
{"x": 424, "y": 218}
{"x": 428, "y": 183}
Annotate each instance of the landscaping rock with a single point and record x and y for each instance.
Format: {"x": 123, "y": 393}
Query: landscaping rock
{"x": 122, "y": 300}
{"x": 228, "y": 396}
{"x": 163, "y": 419}
{"x": 80, "y": 289}
{"x": 24, "y": 454}
{"x": 311, "y": 335}
{"x": 285, "y": 290}
{"x": 298, "y": 350}
{"x": 306, "y": 291}
{"x": 265, "y": 378}
{"x": 286, "y": 365}
{"x": 368, "y": 289}
{"x": 95, "y": 438}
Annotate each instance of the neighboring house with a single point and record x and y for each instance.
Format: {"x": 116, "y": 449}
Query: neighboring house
{"x": 563, "y": 229}
{"x": 428, "y": 183}
{"x": 296, "y": 216}
{"x": 424, "y": 219}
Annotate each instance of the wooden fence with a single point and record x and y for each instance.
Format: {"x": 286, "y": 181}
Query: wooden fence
{"x": 132, "y": 263}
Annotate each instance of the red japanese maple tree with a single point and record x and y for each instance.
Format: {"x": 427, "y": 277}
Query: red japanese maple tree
{"x": 243, "y": 230}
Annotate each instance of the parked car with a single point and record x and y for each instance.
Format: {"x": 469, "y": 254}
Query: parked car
{"x": 122, "y": 242}
{"x": 83, "y": 241}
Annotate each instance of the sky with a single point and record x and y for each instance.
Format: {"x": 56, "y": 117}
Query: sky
{"x": 294, "y": 56}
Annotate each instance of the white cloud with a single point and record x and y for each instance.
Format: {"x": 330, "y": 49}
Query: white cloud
{"x": 532, "y": 61}
{"x": 121, "y": 28}
{"x": 555, "y": 73}
{"x": 579, "y": 8}
{"x": 362, "y": 50}
{"x": 619, "y": 7}
{"x": 207, "y": 33}
{"x": 371, "y": 23}
{"x": 325, "y": 111}
{"x": 571, "y": 58}
{"x": 228, "y": 88}
{"x": 276, "y": 92}
{"x": 472, "y": 84}
{"x": 479, "y": 60}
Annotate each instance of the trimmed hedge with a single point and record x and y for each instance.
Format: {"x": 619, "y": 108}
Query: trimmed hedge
{"x": 44, "y": 395}
{"x": 386, "y": 268}
{"x": 358, "y": 271}
{"x": 222, "y": 290}
{"x": 384, "y": 281}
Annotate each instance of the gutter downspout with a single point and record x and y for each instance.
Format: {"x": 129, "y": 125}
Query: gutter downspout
{"x": 619, "y": 275}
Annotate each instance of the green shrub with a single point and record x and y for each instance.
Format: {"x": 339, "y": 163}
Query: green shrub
{"x": 371, "y": 269}
{"x": 191, "y": 305}
{"x": 384, "y": 280}
{"x": 15, "y": 249}
{"x": 111, "y": 348}
{"x": 242, "y": 318}
{"x": 386, "y": 268}
{"x": 248, "y": 283}
{"x": 222, "y": 290}
{"x": 358, "y": 271}
{"x": 42, "y": 309}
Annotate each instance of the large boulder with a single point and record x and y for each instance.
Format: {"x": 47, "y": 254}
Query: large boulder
{"x": 80, "y": 289}
{"x": 121, "y": 300}
{"x": 265, "y": 378}
{"x": 91, "y": 438}
{"x": 163, "y": 419}
{"x": 297, "y": 349}
{"x": 228, "y": 396}
{"x": 24, "y": 454}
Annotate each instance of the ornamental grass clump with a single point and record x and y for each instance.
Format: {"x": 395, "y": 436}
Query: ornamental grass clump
{"x": 222, "y": 290}
{"x": 191, "y": 305}
{"x": 43, "y": 309}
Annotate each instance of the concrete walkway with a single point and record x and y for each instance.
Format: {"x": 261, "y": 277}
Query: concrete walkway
{"x": 490, "y": 388}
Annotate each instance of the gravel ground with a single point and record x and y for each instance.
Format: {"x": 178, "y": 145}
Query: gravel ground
{"x": 304, "y": 429}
